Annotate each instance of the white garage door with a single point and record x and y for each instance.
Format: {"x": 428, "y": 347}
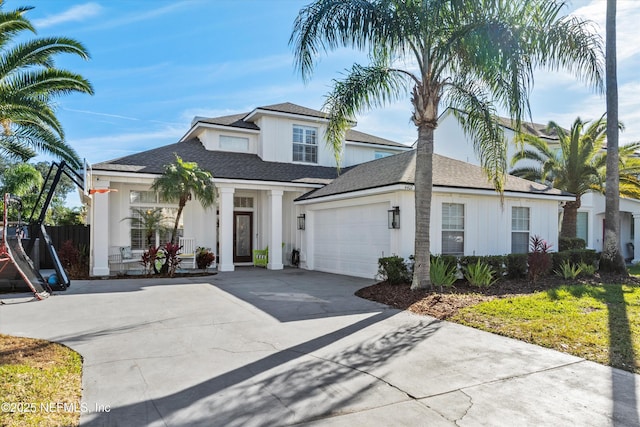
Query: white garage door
{"x": 350, "y": 240}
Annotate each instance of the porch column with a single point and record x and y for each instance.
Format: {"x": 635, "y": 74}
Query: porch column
{"x": 100, "y": 230}
{"x": 225, "y": 262}
{"x": 636, "y": 237}
{"x": 275, "y": 223}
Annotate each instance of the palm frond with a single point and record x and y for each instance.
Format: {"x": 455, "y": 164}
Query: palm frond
{"x": 362, "y": 88}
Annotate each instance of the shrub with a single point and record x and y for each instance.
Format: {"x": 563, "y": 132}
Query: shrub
{"x": 496, "y": 262}
{"x": 576, "y": 256}
{"x": 75, "y": 260}
{"x": 516, "y": 266}
{"x": 68, "y": 254}
{"x": 162, "y": 260}
{"x": 479, "y": 274}
{"x": 172, "y": 261}
{"x": 148, "y": 260}
{"x": 393, "y": 270}
{"x": 571, "y": 243}
{"x": 442, "y": 272}
{"x": 588, "y": 270}
{"x": 539, "y": 259}
{"x": 568, "y": 270}
{"x": 204, "y": 257}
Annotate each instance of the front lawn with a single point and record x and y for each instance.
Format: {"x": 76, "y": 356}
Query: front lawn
{"x": 40, "y": 383}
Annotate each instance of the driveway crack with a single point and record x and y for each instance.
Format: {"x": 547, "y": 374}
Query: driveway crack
{"x": 377, "y": 378}
{"x": 466, "y": 411}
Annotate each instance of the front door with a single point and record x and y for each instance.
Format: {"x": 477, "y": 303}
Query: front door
{"x": 242, "y": 236}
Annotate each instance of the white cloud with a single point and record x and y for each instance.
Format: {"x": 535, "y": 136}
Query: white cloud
{"x": 109, "y": 147}
{"x": 95, "y": 113}
{"x": 74, "y": 14}
{"x": 391, "y": 122}
{"x": 132, "y": 18}
{"x": 627, "y": 18}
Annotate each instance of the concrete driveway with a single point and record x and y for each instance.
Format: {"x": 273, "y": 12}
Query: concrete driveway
{"x": 265, "y": 348}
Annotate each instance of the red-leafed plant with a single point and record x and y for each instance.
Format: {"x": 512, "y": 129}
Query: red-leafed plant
{"x": 171, "y": 258}
{"x": 204, "y": 257}
{"x": 539, "y": 258}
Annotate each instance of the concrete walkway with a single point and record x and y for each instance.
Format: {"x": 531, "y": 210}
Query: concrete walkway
{"x": 265, "y": 348}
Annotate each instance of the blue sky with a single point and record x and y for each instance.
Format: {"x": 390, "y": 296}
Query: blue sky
{"x": 156, "y": 64}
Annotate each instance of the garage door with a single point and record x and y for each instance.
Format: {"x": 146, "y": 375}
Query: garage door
{"x": 350, "y": 240}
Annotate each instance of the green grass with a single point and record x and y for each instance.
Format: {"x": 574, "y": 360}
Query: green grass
{"x": 40, "y": 383}
{"x": 634, "y": 269}
{"x": 598, "y": 323}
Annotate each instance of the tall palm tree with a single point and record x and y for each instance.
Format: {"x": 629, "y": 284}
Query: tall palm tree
{"x": 180, "y": 182}
{"x": 29, "y": 82}
{"x": 474, "y": 55}
{"x": 577, "y": 165}
{"x": 611, "y": 259}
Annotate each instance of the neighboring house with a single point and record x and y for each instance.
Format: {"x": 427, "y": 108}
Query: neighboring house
{"x": 590, "y": 214}
{"x": 278, "y": 187}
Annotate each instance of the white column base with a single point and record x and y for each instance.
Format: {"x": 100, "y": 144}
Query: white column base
{"x": 100, "y": 271}
{"x": 226, "y": 267}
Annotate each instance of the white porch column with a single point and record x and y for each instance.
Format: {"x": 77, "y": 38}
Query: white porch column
{"x": 100, "y": 230}
{"x": 225, "y": 261}
{"x": 275, "y": 223}
{"x": 636, "y": 237}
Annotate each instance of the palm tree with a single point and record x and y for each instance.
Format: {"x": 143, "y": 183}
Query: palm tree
{"x": 577, "y": 165}
{"x": 612, "y": 260}
{"x": 180, "y": 182}
{"x": 150, "y": 220}
{"x": 473, "y": 55}
{"x": 29, "y": 82}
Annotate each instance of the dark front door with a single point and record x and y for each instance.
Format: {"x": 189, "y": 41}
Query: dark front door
{"x": 242, "y": 236}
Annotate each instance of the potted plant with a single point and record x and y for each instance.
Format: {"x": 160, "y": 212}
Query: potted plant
{"x": 204, "y": 257}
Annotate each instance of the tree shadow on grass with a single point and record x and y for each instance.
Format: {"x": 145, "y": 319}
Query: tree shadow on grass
{"x": 301, "y": 383}
{"x": 622, "y": 355}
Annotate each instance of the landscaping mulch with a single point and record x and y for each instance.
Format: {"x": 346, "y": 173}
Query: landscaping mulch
{"x": 443, "y": 305}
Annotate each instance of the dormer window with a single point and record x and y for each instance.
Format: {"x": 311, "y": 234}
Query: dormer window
{"x": 234, "y": 143}
{"x": 305, "y": 144}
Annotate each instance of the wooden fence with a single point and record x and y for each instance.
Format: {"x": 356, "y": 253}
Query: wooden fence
{"x": 78, "y": 234}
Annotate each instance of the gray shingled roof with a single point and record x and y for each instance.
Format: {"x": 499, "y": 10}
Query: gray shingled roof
{"x": 238, "y": 121}
{"x": 234, "y": 120}
{"x": 535, "y": 129}
{"x": 288, "y": 107}
{"x": 400, "y": 169}
{"x": 223, "y": 165}
{"x": 357, "y": 136}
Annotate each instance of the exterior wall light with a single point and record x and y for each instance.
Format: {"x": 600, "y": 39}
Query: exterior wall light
{"x": 394, "y": 217}
{"x": 301, "y": 222}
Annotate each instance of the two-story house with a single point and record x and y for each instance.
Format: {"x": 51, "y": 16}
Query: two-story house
{"x": 262, "y": 161}
{"x": 278, "y": 187}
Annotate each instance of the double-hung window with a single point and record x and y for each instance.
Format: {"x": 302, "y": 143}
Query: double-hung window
{"x": 305, "y": 144}
{"x": 519, "y": 230}
{"x": 453, "y": 229}
{"x": 143, "y": 220}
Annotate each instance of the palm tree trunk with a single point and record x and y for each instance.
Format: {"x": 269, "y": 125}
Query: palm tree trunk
{"x": 174, "y": 233}
{"x": 612, "y": 259}
{"x": 423, "y": 191}
{"x": 570, "y": 219}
